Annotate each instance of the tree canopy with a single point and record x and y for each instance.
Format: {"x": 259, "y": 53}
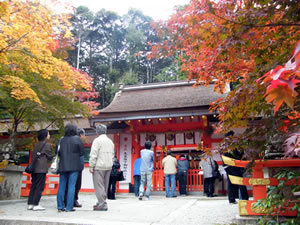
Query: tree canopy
{"x": 113, "y": 49}
{"x": 36, "y": 82}
{"x": 236, "y": 42}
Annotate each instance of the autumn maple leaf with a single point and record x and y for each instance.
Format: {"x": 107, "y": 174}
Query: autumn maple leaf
{"x": 291, "y": 145}
{"x": 282, "y": 81}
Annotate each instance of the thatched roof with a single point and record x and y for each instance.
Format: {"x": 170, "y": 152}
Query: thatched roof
{"x": 155, "y": 100}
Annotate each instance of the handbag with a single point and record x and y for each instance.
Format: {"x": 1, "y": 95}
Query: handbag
{"x": 120, "y": 176}
{"x": 30, "y": 168}
{"x": 55, "y": 164}
{"x": 215, "y": 173}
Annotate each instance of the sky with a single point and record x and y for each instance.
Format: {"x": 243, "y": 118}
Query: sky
{"x": 157, "y": 9}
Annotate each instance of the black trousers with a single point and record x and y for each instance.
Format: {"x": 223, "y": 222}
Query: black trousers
{"x": 112, "y": 187}
{"x": 37, "y": 187}
{"x": 137, "y": 182}
{"x": 209, "y": 186}
{"x": 182, "y": 175}
{"x": 233, "y": 189}
{"x": 77, "y": 188}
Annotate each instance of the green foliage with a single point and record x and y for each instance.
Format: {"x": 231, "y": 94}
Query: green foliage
{"x": 282, "y": 199}
{"x": 113, "y": 49}
{"x": 129, "y": 79}
{"x": 170, "y": 73}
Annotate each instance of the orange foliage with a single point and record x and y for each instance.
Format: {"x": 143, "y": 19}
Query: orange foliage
{"x": 28, "y": 41}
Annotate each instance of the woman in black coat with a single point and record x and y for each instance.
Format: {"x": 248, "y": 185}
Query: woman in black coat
{"x": 113, "y": 179}
{"x": 42, "y": 150}
{"x": 69, "y": 152}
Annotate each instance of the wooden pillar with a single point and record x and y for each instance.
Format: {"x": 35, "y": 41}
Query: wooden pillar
{"x": 259, "y": 191}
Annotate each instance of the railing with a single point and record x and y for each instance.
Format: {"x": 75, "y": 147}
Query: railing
{"x": 194, "y": 181}
{"x": 51, "y": 185}
{"x": 259, "y": 183}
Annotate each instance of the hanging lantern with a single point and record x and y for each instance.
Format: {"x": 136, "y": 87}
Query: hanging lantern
{"x": 170, "y": 136}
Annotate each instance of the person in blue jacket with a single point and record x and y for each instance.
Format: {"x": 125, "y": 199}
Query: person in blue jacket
{"x": 182, "y": 170}
{"x": 137, "y": 175}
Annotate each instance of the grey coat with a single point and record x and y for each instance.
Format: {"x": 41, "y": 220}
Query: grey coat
{"x": 43, "y": 160}
{"x": 206, "y": 166}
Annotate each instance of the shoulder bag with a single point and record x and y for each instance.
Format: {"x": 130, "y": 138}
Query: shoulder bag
{"x": 30, "y": 168}
{"x": 55, "y": 164}
{"x": 215, "y": 173}
{"x": 120, "y": 176}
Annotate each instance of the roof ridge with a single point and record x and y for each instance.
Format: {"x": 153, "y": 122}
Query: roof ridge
{"x": 157, "y": 85}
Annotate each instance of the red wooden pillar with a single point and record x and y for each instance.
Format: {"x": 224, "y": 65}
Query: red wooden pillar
{"x": 259, "y": 191}
{"x": 135, "y": 153}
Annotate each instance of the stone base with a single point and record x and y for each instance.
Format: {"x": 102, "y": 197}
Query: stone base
{"x": 246, "y": 220}
{"x": 10, "y": 187}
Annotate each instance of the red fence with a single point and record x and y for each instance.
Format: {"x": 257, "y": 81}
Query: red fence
{"x": 194, "y": 181}
{"x": 51, "y": 185}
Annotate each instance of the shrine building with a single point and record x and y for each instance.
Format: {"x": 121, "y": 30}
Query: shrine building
{"x": 173, "y": 116}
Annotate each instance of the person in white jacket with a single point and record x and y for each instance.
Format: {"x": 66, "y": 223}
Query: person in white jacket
{"x": 101, "y": 161}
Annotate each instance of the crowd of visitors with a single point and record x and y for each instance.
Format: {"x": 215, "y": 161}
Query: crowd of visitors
{"x": 104, "y": 167}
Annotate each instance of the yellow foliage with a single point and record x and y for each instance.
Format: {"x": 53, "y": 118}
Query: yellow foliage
{"x": 29, "y": 36}
{"x": 19, "y": 89}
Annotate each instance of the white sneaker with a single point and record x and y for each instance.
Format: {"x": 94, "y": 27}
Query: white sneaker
{"x": 147, "y": 198}
{"x": 140, "y": 197}
{"x": 38, "y": 208}
{"x": 30, "y": 207}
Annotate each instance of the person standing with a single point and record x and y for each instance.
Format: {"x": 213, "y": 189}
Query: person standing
{"x": 113, "y": 179}
{"x": 233, "y": 189}
{"x": 170, "y": 164}
{"x": 81, "y": 134}
{"x": 147, "y": 159}
{"x": 70, "y": 151}
{"x": 137, "y": 175}
{"x": 182, "y": 166}
{"x": 100, "y": 163}
{"x": 207, "y": 166}
{"x": 42, "y": 150}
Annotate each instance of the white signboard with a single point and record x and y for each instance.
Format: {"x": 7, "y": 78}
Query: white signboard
{"x": 125, "y": 157}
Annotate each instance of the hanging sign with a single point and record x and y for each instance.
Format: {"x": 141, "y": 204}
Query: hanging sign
{"x": 125, "y": 156}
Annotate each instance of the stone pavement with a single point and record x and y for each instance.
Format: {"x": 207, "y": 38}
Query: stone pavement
{"x": 126, "y": 210}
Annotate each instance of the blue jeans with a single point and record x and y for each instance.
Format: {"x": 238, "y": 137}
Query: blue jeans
{"x": 146, "y": 176}
{"x": 170, "y": 178}
{"x": 65, "y": 178}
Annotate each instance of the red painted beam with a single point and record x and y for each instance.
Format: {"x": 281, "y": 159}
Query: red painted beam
{"x": 168, "y": 127}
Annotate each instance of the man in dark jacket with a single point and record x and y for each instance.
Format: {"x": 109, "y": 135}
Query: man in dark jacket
{"x": 182, "y": 169}
{"x": 81, "y": 134}
{"x": 233, "y": 189}
{"x": 70, "y": 150}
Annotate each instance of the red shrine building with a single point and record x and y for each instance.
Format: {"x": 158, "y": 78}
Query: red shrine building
{"x": 172, "y": 115}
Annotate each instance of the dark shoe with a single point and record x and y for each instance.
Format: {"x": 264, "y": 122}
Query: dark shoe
{"x": 232, "y": 202}
{"x": 61, "y": 210}
{"x": 173, "y": 196}
{"x": 77, "y": 204}
{"x": 98, "y": 208}
{"x": 72, "y": 210}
